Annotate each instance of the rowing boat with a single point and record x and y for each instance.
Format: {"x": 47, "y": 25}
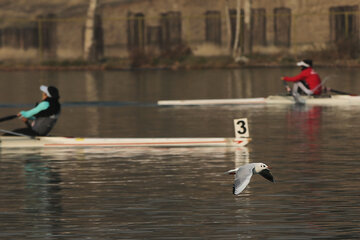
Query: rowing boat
{"x": 328, "y": 100}
{"x": 28, "y": 142}
{"x": 240, "y": 126}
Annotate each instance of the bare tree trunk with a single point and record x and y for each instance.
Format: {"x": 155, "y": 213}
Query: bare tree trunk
{"x": 237, "y": 32}
{"x": 89, "y": 36}
{"x": 228, "y": 25}
{"x": 247, "y": 28}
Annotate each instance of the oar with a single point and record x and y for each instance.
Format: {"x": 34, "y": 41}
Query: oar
{"x": 341, "y": 92}
{"x": 8, "y": 118}
{"x": 15, "y": 133}
{"x": 11, "y": 133}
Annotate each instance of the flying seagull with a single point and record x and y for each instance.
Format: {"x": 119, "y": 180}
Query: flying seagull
{"x": 244, "y": 173}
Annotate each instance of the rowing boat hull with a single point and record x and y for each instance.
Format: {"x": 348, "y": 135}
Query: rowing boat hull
{"x": 56, "y": 142}
{"x": 332, "y": 100}
{"x": 230, "y": 101}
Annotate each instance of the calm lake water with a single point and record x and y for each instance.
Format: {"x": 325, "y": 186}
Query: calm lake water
{"x": 181, "y": 193}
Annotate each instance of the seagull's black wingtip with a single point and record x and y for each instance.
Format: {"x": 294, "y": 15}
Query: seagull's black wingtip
{"x": 267, "y": 174}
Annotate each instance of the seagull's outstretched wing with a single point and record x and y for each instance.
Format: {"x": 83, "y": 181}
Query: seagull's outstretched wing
{"x": 242, "y": 178}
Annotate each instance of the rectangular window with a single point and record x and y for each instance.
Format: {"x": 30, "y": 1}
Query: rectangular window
{"x": 282, "y": 26}
{"x": 29, "y": 37}
{"x": 170, "y": 24}
{"x": 11, "y": 37}
{"x": 136, "y": 31}
{"x": 48, "y": 33}
{"x": 24, "y": 38}
{"x": 213, "y": 27}
{"x": 343, "y": 23}
{"x": 258, "y": 27}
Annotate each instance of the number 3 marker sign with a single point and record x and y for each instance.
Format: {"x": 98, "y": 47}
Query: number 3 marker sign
{"x": 241, "y": 128}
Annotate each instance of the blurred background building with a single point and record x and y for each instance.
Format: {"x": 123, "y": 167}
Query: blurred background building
{"x": 106, "y": 29}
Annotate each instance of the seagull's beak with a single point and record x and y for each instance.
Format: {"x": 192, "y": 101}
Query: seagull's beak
{"x": 266, "y": 174}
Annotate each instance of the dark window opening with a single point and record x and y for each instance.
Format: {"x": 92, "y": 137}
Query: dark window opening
{"x": 258, "y": 27}
{"x": 282, "y": 26}
{"x": 170, "y": 24}
{"x": 213, "y": 27}
{"x": 136, "y": 31}
{"x": 343, "y": 23}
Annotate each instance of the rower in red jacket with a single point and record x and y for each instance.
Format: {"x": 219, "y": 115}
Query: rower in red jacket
{"x": 308, "y": 80}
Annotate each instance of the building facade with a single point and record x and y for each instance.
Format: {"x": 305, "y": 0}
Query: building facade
{"x": 205, "y": 27}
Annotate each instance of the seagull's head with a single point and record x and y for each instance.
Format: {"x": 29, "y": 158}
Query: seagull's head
{"x": 260, "y": 167}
